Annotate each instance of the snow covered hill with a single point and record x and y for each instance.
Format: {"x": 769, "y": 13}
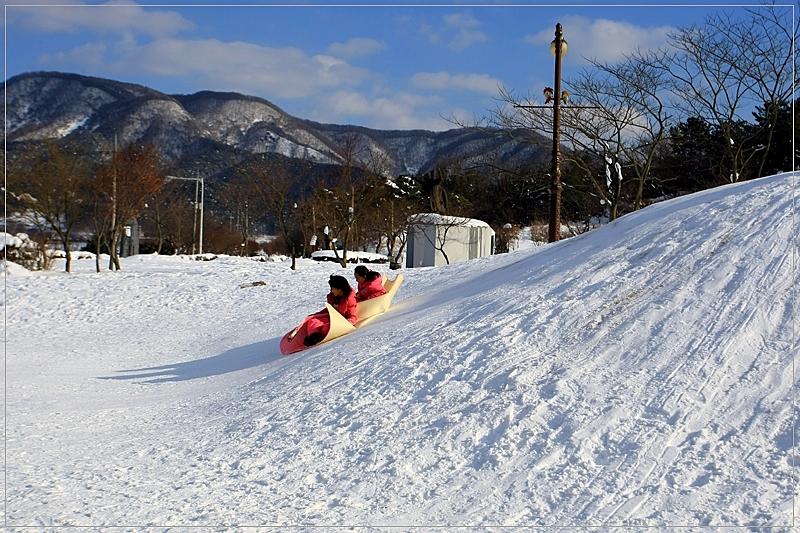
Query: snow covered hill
{"x": 640, "y": 375}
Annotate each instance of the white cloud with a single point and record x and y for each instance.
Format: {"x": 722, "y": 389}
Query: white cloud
{"x": 602, "y": 39}
{"x": 91, "y": 55}
{"x": 399, "y": 111}
{"x": 461, "y": 20}
{"x": 442, "y": 80}
{"x": 466, "y": 38}
{"x": 434, "y": 36}
{"x": 114, "y": 17}
{"x": 458, "y": 32}
{"x": 356, "y": 47}
{"x": 235, "y": 66}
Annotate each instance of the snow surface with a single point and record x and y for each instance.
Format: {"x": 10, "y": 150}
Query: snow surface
{"x": 639, "y": 375}
{"x": 12, "y": 241}
{"x": 435, "y": 218}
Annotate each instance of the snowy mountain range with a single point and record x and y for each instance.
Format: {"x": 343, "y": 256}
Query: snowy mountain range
{"x": 46, "y": 105}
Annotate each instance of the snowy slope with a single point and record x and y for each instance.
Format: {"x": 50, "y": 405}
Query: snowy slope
{"x": 640, "y": 375}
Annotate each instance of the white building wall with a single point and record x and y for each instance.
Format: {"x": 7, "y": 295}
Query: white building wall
{"x": 461, "y": 243}
{"x": 456, "y": 244}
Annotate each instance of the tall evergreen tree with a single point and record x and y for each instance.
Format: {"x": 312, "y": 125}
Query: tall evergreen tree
{"x": 779, "y": 156}
{"x": 694, "y": 152}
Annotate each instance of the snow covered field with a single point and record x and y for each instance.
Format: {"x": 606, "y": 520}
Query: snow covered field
{"x": 640, "y": 375}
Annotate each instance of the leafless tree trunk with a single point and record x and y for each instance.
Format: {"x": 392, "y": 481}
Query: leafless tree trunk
{"x": 133, "y": 175}
{"x": 161, "y": 209}
{"x": 275, "y": 189}
{"x": 237, "y": 196}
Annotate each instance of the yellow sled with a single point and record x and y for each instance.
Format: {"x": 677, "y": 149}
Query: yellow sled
{"x": 369, "y": 309}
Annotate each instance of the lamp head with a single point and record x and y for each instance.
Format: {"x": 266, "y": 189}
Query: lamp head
{"x": 564, "y": 47}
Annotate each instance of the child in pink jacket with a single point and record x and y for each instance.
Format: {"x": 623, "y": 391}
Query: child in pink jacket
{"x": 343, "y": 298}
{"x": 370, "y": 284}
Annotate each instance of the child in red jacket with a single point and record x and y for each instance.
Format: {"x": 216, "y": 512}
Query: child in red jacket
{"x": 343, "y": 298}
{"x": 370, "y": 283}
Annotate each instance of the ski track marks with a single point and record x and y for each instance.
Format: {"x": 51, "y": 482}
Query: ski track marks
{"x": 503, "y": 427}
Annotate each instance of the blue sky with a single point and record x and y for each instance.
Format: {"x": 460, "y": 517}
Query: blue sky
{"x": 387, "y": 67}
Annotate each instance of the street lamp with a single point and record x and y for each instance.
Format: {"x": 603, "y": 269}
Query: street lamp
{"x": 558, "y": 48}
{"x": 197, "y": 180}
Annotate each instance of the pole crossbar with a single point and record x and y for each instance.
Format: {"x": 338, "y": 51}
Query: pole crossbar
{"x": 563, "y": 107}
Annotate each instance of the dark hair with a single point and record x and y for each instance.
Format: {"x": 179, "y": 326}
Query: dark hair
{"x": 361, "y": 270}
{"x": 341, "y": 283}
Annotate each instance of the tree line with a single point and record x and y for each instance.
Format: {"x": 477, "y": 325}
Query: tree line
{"x": 72, "y": 191}
{"x": 57, "y": 189}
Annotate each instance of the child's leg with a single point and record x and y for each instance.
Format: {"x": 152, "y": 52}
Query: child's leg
{"x": 318, "y": 324}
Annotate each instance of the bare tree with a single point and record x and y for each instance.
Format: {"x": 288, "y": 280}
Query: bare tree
{"x": 237, "y": 196}
{"x": 615, "y": 117}
{"x": 623, "y": 112}
{"x": 275, "y": 188}
{"x": 344, "y": 212}
{"x": 629, "y": 97}
{"x": 53, "y": 186}
{"x": 163, "y": 209}
{"x": 101, "y": 220}
{"x": 133, "y": 175}
{"x": 378, "y": 206}
{"x": 720, "y": 70}
{"x": 767, "y": 40}
{"x": 347, "y": 203}
{"x": 179, "y": 223}
{"x": 394, "y": 204}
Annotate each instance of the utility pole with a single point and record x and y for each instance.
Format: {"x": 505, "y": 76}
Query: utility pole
{"x": 114, "y": 189}
{"x": 194, "y": 217}
{"x": 198, "y": 182}
{"x": 113, "y": 253}
{"x": 202, "y": 202}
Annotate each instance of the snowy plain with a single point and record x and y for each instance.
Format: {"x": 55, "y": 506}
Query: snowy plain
{"x": 640, "y": 376}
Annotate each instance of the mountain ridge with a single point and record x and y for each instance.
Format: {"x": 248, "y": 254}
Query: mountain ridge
{"x": 57, "y": 105}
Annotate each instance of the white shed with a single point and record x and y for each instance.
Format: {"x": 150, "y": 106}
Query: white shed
{"x": 435, "y": 240}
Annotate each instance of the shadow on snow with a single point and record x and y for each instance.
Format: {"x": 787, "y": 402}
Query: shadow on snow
{"x": 233, "y": 360}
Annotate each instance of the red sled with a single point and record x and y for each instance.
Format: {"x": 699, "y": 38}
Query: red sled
{"x": 367, "y": 310}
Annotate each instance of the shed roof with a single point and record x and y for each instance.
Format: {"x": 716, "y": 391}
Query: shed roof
{"x": 445, "y": 220}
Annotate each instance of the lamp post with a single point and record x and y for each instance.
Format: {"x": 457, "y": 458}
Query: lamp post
{"x": 197, "y": 180}
{"x": 558, "y": 48}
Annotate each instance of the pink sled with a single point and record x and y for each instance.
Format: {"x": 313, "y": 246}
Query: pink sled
{"x": 366, "y": 312}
